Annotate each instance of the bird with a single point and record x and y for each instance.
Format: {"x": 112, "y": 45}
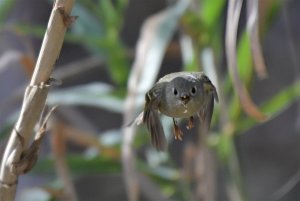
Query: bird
{"x": 177, "y": 95}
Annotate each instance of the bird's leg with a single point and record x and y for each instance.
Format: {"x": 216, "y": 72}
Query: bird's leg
{"x": 190, "y": 124}
{"x": 177, "y": 132}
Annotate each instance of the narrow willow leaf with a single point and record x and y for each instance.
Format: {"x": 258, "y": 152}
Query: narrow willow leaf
{"x": 211, "y": 11}
{"x": 282, "y": 100}
{"x": 274, "y": 106}
{"x": 245, "y": 70}
{"x": 233, "y": 15}
{"x": 252, "y": 27}
{"x": 109, "y": 14}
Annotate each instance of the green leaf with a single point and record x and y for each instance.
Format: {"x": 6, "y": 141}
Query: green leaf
{"x": 223, "y": 145}
{"x": 109, "y": 15}
{"x": 79, "y": 164}
{"x": 211, "y": 11}
{"x": 282, "y": 99}
{"x": 120, "y": 6}
{"x": 271, "y": 13}
{"x": 118, "y": 65}
{"x": 245, "y": 68}
{"x": 5, "y": 7}
{"x": 244, "y": 58}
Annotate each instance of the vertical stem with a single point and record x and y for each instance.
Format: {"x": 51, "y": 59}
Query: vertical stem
{"x": 204, "y": 168}
{"x": 59, "y": 150}
{"x": 34, "y": 99}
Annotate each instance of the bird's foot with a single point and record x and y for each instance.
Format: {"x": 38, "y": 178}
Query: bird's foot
{"x": 190, "y": 124}
{"x": 177, "y": 131}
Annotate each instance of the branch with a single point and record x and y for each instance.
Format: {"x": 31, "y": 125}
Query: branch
{"x": 34, "y": 97}
{"x": 59, "y": 150}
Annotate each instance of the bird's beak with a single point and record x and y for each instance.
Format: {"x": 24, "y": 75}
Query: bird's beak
{"x": 185, "y": 98}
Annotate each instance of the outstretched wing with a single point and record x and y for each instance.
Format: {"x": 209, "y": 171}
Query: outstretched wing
{"x": 207, "y": 109}
{"x": 206, "y": 112}
{"x": 151, "y": 117}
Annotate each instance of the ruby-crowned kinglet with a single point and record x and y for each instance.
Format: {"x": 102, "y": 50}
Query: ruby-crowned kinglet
{"x": 178, "y": 95}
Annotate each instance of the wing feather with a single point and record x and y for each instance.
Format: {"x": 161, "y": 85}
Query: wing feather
{"x": 151, "y": 118}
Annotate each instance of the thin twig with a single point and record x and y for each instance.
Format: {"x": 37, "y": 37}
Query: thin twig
{"x": 59, "y": 150}
{"x": 34, "y": 99}
{"x": 287, "y": 187}
{"x": 205, "y": 168}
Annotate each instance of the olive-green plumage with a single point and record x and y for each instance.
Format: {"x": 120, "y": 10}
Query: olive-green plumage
{"x": 178, "y": 95}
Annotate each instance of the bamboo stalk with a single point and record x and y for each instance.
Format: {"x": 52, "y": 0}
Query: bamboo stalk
{"x": 34, "y": 97}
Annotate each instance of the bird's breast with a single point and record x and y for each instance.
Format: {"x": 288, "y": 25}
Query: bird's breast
{"x": 180, "y": 110}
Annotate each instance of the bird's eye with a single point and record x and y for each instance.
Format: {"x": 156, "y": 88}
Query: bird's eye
{"x": 193, "y": 90}
{"x": 175, "y": 92}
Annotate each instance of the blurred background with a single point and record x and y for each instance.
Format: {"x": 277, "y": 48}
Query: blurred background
{"x": 113, "y": 54}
